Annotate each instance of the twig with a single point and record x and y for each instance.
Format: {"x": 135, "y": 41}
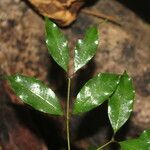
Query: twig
{"x": 68, "y": 114}
{"x": 102, "y": 16}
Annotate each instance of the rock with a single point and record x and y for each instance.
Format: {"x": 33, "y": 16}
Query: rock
{"x": 124, "y": 47}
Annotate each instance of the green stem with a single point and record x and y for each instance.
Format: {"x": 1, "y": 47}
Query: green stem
{"x": 67, "y": 113}
{"x": 111, "y": 141}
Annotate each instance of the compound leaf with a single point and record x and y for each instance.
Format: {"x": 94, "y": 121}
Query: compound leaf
{"x": 121, "y": 103}
{"x": 95, "y": 92}
{"x": 57, "y": 44}
{"x": 34, "y": 93}
{"x": 141, "y": 143}
{"x": 85, "y": 49}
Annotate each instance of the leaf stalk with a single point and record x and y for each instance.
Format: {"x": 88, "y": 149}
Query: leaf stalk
{"x": 68, "y": 113}
{"x": 109, "y": 142}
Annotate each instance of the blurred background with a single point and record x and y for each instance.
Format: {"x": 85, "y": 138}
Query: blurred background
{"x": 124, "y": 45}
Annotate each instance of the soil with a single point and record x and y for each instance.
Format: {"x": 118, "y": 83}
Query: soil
{"x": 23, "y": 50}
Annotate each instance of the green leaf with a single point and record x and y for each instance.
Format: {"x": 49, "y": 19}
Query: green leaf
{"x": 34, "y": 93}
{"x": 145, "y": 136}
{"x": 86, "y": 48}
{"x": 121, "y": 103}
{"x": 141, "y": 143}
{"x": 134, "y": 144}
{"x": 57, "y": 44}
{"x": 95, "y": 92}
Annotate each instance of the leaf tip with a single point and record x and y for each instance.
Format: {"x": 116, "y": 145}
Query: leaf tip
{"x": 125, "y": 73}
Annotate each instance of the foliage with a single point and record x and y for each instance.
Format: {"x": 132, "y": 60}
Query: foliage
{"x": 95, "y": 92}
{"x": 116, "y": 88}
{"x": 85, "y": 49}
{"x": 140, "y": 143}
{"x": 35, "y": 93}
{"x": 121, "y": 102}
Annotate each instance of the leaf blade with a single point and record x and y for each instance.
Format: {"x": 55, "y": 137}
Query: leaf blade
{"x": 140, "y": 143}
{"x": 34, "y": 93}
{"x": 134, "y": 144}
{"x": 121, "y": 103}
{"x": 85, "y": 49}
{"x": 57, "y": 44}
{"x": 95, "y": 92}
{"x": 145, "y": 136}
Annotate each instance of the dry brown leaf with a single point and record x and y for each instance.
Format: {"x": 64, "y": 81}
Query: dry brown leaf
{"x": 63, "y": 12}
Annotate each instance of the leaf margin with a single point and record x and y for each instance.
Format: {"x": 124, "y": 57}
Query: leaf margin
{"x": 18, "y": 77}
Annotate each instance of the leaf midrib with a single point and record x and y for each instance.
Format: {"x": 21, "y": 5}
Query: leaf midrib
{"x": 44, "y": 100}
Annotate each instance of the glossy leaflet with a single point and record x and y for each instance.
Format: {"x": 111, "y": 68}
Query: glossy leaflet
{"x": 121, "y": 102}
{"x": 141, "y": 143}
{"x": 85, "y": 49}
{"x": 57, "y": 44}
{"x": 34, "y": 93}
{"x": 95, "y": 92}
